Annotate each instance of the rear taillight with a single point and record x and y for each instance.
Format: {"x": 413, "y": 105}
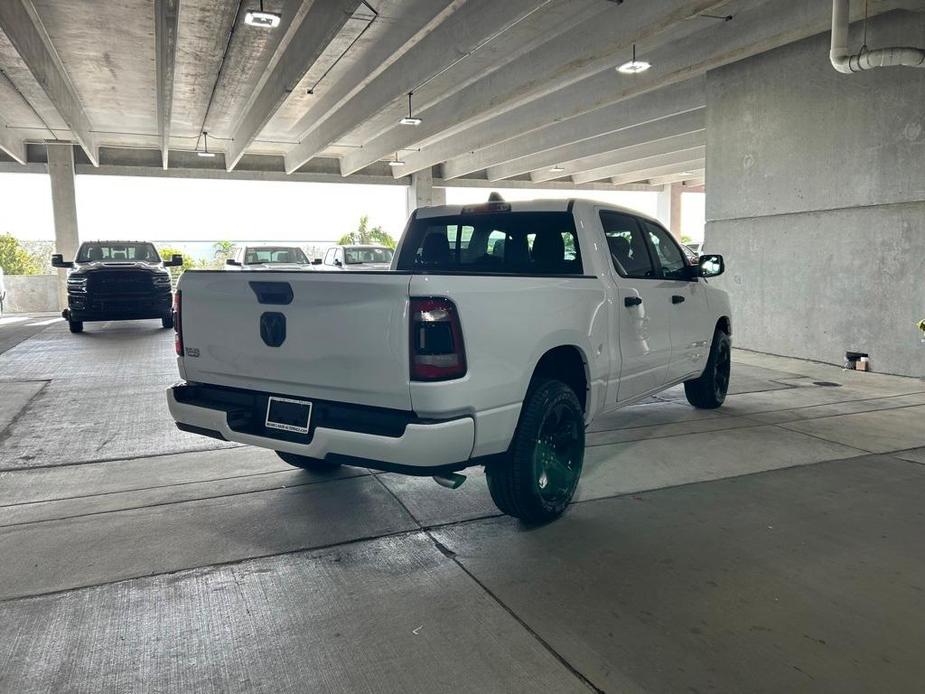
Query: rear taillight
{"x": 177, "y": 328}
{"x": 437, "y": 351}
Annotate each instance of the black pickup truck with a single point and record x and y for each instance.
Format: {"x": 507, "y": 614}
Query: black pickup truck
{"x": 117, "y": 280}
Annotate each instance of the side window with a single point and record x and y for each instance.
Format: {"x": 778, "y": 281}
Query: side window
{"x": 667, "y": 254}
{"x": 496, "y": 243}
{"x": 627, "y": 245}
{"x": 329, "y": 257}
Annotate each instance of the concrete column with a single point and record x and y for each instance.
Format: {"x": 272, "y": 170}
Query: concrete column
{"x": 669, "y": 208}
{"x": 421, "y": 191}
{"x": 64, "y": 204}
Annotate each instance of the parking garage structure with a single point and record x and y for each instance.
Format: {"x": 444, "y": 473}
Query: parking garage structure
{"x": 770, "y": 545}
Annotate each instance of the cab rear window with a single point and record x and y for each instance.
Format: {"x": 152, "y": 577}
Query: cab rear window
{"x": 527, "y": 243}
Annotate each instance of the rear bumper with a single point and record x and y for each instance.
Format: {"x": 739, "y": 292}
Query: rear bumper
{"x": 420, "y": 448}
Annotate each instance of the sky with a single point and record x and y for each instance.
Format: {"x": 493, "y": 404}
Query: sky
{"x": 171, "y": 210}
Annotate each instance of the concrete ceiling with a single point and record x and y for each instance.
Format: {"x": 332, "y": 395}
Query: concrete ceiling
{"x": 520, "y": 90}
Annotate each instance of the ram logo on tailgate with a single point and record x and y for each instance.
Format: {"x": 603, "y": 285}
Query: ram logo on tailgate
{"x": 273, "y": 329}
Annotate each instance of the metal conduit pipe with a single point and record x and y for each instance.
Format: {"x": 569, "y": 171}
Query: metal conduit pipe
{"x": 843, "y": 61}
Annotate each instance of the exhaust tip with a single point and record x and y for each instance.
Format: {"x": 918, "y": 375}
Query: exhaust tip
{"x": 451, "y": 481}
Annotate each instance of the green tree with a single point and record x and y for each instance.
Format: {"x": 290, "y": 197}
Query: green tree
{"x": 685, "y": 239}
{"x": 222, "y": 250}
{"x": 15, "y": 259}
{"x": 41, "y": 255}
{"x": 189, "y": 263}
{"x": 365, "y": 235}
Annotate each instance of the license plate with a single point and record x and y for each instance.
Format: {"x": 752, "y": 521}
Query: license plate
{"x": 288, "y": 415}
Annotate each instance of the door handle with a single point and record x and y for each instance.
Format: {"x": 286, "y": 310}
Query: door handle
{"x": 676, "y": 299}
{"x": 631, "y": 301}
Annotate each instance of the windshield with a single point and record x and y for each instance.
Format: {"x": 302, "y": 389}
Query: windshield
{"x": 274, "y": 254}
{"x": 542, "y": 243}
{"x": 355, "y": 256}
{"x": 117, "y": 252}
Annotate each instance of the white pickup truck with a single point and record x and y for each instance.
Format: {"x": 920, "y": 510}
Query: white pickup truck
{"x": 499, "y": 333}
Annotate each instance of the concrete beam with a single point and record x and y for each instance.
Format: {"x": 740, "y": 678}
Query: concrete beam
{"x": 166, "y": 17}
{"x": 669, "y": 208}
{"x": 644, "y": 175}
{"x": 695, "y": 177}
{"x": 463, "y": 32}
{"x": 572, "y": 157}
{"x": 666, "y": 145}
{"x": 599, "y": 43}
{"x": 146, "y": 163}
{"x": 12, "y": 144}
{"x": 316, "y": 30}
{"x": 416, "y": 21}
{"x": 21, "y": 23}
{"x": 64, "y": 207}
{"x": 759, "y": 26}
{"x": 566, "y": 187}
{"x": 671, "y": 159}
{"x": 422, "y": 193}
{"x": 573, "y": 137}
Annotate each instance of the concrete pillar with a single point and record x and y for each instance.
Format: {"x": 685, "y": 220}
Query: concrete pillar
{"x": 669, "y": 208}
{"x": 64, "y": 204}
{"x": 421, "y": 191}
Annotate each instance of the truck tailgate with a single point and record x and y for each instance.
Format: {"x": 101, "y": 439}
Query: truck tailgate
{"x": 346, "y": 334}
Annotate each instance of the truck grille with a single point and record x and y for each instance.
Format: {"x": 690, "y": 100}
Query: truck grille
{"x": 119, "y": 282}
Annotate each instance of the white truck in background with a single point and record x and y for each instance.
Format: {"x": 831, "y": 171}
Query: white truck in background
{"x": 261, "y": 257}
{"x": 499, "y": 333}
{"x": 358, "y": 257}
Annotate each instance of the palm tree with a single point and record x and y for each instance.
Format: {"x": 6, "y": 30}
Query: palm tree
{"x": 221, "y": 251}
{"x": 365, "y": 235}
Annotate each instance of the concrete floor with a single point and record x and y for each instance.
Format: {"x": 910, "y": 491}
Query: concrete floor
{"x": 773, "y": 545}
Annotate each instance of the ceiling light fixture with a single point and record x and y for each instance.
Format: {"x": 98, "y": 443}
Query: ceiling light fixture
{"x": 205, "y": 146}
{"x": 634, "y": 67}
{"x": 259, "y": 18}
{"x": 396, "y": 162}
{"x": 557, "y": 169}
{"x": 410, "y": 119}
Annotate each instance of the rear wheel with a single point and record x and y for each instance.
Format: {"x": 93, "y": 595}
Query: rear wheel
{"x": 306, "y": 463}
{"x": 75, "y": 326}
{"x": 167, "y": 321}
{"x": 709, "y": 391}
{"x": 537, "y": 479}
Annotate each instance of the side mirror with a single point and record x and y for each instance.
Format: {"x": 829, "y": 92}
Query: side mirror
{"x": 337, "y": 262}
{"x": 232, "y": 261}
{"x": 57, "y": 260}
{"x": 710, "y": 266}
{"x": 316, "y": 261}
{"x": 175, "y": 261}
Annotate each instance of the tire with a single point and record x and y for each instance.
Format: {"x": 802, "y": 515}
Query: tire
{"x": 306, "y": 463}
{"x": 167, "y": 321}
{"x": 537, "y": 478}
{"x": 76, "y": 326}
{"x": 709, "y": 391}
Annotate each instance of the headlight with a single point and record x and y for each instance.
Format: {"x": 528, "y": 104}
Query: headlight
{"x": 162, "y": 280}
{"x": 77, "y": 284}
